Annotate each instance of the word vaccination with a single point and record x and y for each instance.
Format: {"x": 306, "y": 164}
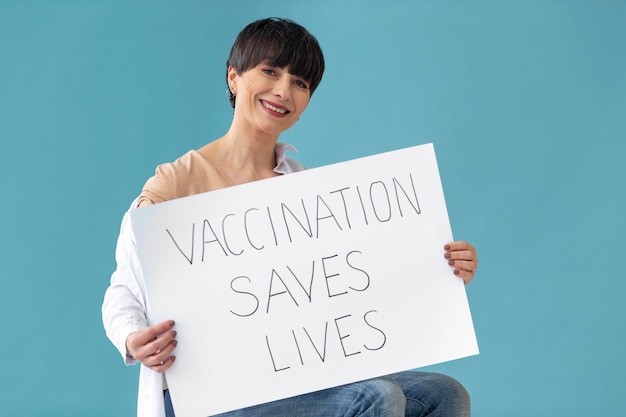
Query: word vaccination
{"x": 255, "y": 228}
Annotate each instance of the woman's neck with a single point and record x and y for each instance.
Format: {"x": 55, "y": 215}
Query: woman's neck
{"x": 242, "y": 159}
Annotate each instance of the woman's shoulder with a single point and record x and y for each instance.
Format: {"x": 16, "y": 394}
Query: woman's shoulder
{"x": 189, "y": 163}
{"x": 187, "y": 175}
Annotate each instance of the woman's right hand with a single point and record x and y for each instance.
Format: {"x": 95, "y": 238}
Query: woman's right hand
{"x": 153, "y": 346}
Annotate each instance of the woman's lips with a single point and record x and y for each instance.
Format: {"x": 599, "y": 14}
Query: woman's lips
{"x": 274, "y": 108}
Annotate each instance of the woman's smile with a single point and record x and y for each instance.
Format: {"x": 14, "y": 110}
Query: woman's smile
{"x": 274, "y": 109}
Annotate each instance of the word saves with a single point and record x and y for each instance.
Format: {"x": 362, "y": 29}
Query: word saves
{"x": 289, "y": 291}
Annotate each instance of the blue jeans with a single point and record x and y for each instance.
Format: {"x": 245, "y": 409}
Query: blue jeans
{"x": 410, "y": 394}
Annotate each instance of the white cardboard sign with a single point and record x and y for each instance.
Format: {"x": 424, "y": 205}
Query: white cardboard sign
{"x": 305, "y": 281}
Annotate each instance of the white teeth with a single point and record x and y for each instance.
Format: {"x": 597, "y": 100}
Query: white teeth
{"x": 276, "y": 109}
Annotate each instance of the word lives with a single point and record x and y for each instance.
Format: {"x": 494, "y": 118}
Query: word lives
{"x": 291, "y": 290}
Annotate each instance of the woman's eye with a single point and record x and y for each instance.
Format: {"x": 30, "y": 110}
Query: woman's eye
{"x": 301, "y": 84}
{"x": 268, "y": 71}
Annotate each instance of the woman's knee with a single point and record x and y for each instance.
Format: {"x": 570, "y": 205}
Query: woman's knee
{"x": 378, "y": 397}
{"x": 455, "y": 393}
{"x": 434, "y": 393}
{"x": 455, "y": 399}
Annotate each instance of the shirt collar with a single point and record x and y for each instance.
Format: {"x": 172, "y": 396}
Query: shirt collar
{"x": 280, "y": 150}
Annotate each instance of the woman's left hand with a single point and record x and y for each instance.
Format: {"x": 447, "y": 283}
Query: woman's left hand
{"x": 462, "y": 257}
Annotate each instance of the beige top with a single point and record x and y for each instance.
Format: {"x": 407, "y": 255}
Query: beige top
{"x": 193, "y": 174}
{"x": 188, "y": 175}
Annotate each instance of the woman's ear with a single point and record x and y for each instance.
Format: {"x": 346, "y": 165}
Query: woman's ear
{"x": 232, "y": 80}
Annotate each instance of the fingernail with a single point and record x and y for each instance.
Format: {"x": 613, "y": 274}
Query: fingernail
{"x": 451, "y": 262}
{"x": 457, "y": 272}
{"x": 447, "y": 247}
{"x": 172, "y": 324}
{"x": 447, "y": 255}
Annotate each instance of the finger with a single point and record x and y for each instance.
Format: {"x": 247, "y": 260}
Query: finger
{"x": 137, "y": 343}
{"x": 164, "y": 366}
{"x": 466, "y": 276}
{"x": 465, "y": 255}
{"x": 151, "y": 333}
{"x": 161, "y": 355}
{"x": 469, "y": 266}
{"x": 141, "y": 351}
{"x": 147, "y": 335}
{"x": 158, "y": 345}
{"x": 460, "y": 245}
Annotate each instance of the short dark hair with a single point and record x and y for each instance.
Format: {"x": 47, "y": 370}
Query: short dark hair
{"x": 282, "y": 43}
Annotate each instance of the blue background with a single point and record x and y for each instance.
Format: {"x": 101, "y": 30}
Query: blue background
{"x": 525, "y": 102}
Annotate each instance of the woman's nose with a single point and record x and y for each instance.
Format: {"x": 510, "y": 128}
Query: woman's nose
{"x": 282, "y": 88}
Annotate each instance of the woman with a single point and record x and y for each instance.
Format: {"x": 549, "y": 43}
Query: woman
{"x": 274, "y": 67}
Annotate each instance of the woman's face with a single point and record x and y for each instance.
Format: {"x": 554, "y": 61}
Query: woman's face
{"x": 269, "y": 99}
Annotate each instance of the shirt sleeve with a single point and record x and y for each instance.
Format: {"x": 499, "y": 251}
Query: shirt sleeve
{"x": 124, "y": 306}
